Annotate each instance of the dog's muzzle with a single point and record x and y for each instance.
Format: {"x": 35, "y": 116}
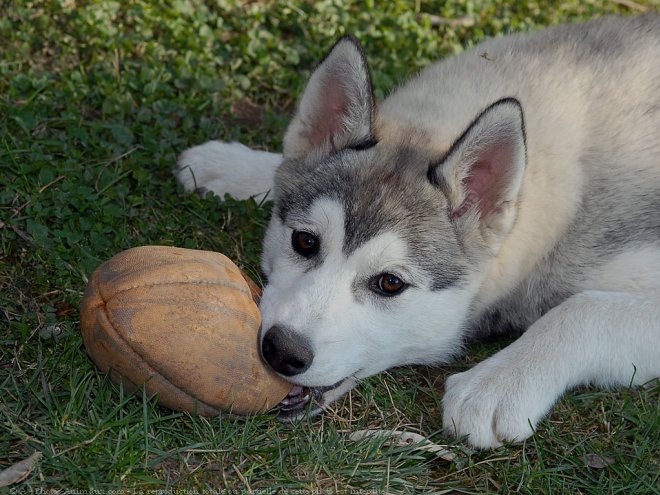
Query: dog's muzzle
{"x": 289, "y": 354}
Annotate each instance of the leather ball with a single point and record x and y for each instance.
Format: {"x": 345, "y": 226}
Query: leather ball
{"x": 184, "y": 324}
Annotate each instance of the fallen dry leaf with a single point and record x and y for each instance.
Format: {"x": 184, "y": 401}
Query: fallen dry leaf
{"x": 19, "y": 471}
{"x": 599, "y": 462}
{"x": 404, "y": 438}
{"x": 247, "y": 112}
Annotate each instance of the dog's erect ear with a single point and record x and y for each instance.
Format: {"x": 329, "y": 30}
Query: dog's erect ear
{"x": 337, "y": 107}
{"x": 482, "y": 172}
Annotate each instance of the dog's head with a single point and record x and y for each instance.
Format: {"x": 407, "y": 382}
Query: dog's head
{"x": 379, "y": 240}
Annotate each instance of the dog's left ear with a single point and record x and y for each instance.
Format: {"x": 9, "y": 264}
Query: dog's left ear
{"x": 337, "y": 106}
{"x": 483, "y": 171}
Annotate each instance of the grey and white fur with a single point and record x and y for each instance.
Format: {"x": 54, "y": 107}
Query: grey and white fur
{"x": 512, "y": 188}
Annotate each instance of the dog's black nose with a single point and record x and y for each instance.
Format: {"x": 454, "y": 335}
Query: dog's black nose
{"x": 286, "y": 353}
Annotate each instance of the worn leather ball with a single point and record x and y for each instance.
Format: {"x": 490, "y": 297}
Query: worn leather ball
{"x": 184, "y": 324}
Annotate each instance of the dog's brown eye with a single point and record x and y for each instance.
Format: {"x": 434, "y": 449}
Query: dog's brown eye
{"x": 389, "y": 285}
{"x": 304, "y": 243}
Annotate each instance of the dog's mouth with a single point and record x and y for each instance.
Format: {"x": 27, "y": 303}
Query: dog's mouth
{"x": 309, "y": 401}
{"x": 297, "y": 401}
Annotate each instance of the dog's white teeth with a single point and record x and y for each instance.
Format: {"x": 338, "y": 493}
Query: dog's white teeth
{"x": 298, "y": 397}
{"x": 296, "y": 390}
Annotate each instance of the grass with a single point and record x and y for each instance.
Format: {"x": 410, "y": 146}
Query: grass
{"x": 97, "y": 98}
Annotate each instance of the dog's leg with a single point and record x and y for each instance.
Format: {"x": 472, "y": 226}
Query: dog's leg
{"x": 604, "y": 338}
{"x": 227, "y": 168}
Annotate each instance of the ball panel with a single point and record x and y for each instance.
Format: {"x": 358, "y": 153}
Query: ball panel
{"x": 166, "y": 328}
{"x": 154, "y": 265}
{"x": 183, "y": 321}
{"x": 114, "y": 356}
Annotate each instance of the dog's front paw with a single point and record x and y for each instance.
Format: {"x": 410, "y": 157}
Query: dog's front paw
{"x": 227, "y": 168}
{"x": 495, "y": 402}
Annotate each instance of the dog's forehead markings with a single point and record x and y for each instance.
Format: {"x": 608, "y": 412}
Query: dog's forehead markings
{"x": 326, "y": 216}
{"x": 386, "y": 250}
{"x": 349, "y": 203}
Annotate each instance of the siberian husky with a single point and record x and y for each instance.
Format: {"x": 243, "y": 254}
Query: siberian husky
{"x": 514, "y": 188}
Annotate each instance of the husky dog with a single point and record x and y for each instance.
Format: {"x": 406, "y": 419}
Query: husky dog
{"x": 512, "y": 188}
